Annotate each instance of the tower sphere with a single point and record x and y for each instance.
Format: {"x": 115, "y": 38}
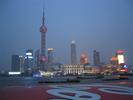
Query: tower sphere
{"x": 43, "y": 29}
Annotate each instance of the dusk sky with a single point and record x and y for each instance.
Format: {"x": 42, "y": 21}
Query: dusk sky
{"x": 102, "y": 25}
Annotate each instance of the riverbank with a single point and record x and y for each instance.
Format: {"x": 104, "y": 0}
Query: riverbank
{"x": 33, "y": 81}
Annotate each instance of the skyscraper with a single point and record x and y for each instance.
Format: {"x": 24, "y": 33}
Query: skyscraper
{"x": 21, "y": 58}
{"x": 96, "y": 58}
{"x": 29, "y": 60}
{"x": 84, "y": 59}
{"x": 120, "y": 56}
{"x": 73, "y": 53}
{"x": 15, "y": 63}
{"x": 37, "y": 60}
{"x": 50, "y": 55}
{"x": 43, "y": 31}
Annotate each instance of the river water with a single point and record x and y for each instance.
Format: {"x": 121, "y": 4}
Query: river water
{"x": 33, "y": 81}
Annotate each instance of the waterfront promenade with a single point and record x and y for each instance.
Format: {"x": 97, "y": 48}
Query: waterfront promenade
{"x": 89, "y": 89}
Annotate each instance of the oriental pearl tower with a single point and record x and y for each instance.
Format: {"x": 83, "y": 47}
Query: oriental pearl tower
{"x": 43, "y": 31}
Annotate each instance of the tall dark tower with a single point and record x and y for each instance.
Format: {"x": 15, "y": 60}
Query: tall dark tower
{"x": 43, "y": 31}
{"x": 73, "y": 53}
{"x": 15, "y": 63}
{"x": 96, "y": 58}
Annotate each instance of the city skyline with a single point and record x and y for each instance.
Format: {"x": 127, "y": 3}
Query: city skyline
{"x": 103, "y": 25}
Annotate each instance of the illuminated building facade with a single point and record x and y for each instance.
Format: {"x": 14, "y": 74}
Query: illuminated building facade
{"x": 73, "y": 69}
{"x": 96, "y": 58}
{"x": 29, "y": 60}
{"x": 83, "y": 59}
{"x": 43, "y": 31}
{"x": 114, "y": 60}
{"x": 73, "y": 53}
{"x": 121, "y": 61}
{"x": 120, "y": 57}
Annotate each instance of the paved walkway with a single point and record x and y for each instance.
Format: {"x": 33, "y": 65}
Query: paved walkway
{"x": 106, "y": 91}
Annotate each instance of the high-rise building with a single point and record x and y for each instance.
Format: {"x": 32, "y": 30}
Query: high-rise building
{"x": 120, "y": 56}
{"x": 50, "y": 55}
{"x": 29, "y": 60}
{"x": 96, "y": 58}
{"x": 73, "y": 53}
{"x": 114, "y": 60}
{"x": 84, "y": 59}
{"x": 43, "y": 31}
{"x": 37, "y": 58}
{"x": 21, "y": 58}
{"x": 15, "y": 63}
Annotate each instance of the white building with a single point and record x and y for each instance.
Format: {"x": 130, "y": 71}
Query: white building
{"x": 120, "y": 56}
{"x": 75, "y": 69}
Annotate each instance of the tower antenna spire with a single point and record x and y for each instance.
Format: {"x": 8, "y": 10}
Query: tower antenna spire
{"x": 43, "y": 17}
